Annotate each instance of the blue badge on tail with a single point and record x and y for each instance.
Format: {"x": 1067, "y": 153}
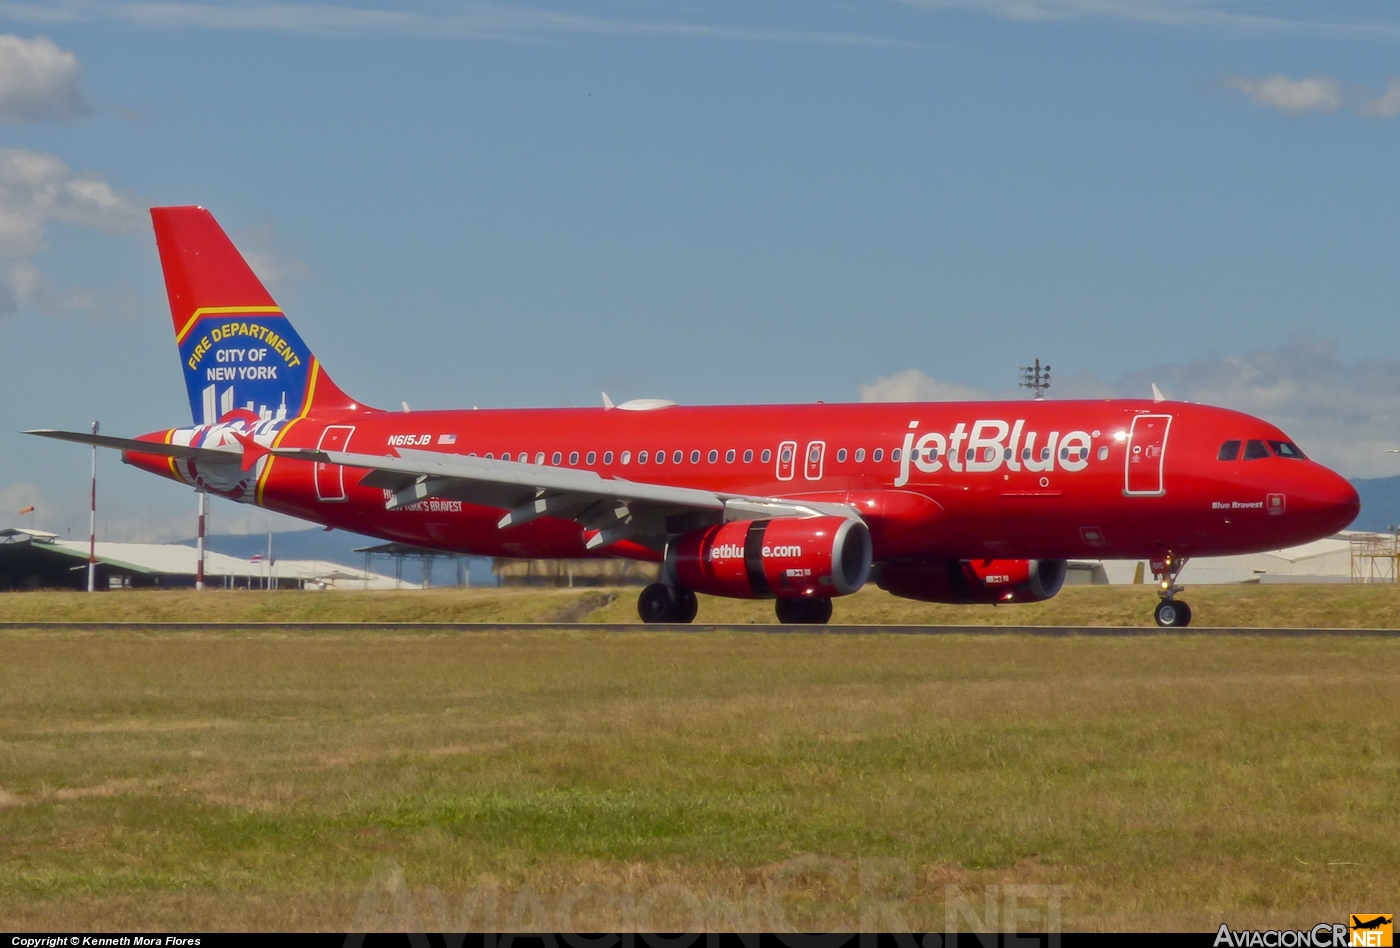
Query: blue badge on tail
{"x": 248, "y": 360}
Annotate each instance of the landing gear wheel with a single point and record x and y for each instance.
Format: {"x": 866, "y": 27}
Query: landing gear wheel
{"x": 1172, "y": 613}
{"x": 662, "y": 603}
{"x": 656, "y": 603}
{"x": 804, "y": 611}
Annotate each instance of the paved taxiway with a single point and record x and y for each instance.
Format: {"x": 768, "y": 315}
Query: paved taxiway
{"x": 1053, "y": 631}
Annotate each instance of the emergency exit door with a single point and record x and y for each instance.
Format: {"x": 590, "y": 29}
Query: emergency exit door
{"x": 330, "y": 478}
{"x": 1147, "y": 454}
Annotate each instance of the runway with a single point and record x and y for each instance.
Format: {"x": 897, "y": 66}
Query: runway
{"x": 1044, "y": 631}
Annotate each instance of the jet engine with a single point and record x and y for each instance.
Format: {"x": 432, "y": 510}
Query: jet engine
{"x": 784, "y": 558}
{"x": 974, "y": 581}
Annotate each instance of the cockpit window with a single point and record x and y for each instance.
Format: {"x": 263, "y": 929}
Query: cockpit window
{"x": 1254, "y": 450}
{"x": 1287, "y": 449}
{"x": 1229, "y": 451}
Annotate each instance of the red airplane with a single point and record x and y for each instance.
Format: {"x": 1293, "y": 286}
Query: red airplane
{"x": 963, "y": 502}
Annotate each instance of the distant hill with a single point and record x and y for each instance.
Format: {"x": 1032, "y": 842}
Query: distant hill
{"x": 337, "y": 546}
{"x": 1380, "y": 503}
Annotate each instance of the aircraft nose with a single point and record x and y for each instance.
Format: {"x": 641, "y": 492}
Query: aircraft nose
{"x": 1331, "y": 499}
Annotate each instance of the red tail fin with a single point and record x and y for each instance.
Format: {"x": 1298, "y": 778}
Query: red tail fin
{"x": 237, "y": 348}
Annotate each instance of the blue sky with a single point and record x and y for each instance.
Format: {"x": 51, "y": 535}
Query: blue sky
{"x": 504, "y": 204}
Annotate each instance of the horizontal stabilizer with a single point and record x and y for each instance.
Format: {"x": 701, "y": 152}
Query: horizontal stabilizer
{"x": 221, "y": 455}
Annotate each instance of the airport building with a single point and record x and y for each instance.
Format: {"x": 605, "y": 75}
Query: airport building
{"x": 33, "y": 559}
{"x": 1348, "y": 557}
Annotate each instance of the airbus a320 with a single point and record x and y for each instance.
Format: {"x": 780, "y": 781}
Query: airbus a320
{"x": 958, "y": 502}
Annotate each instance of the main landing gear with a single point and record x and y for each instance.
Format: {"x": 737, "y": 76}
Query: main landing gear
{"x": 660, "y": 602}
{"x": 1170, "y": 612}
{"x": 814, "y": 611}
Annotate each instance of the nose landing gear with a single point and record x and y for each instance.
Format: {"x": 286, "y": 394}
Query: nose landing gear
{"x": 1170, "y": 612}
{"x": 661, "y": 602}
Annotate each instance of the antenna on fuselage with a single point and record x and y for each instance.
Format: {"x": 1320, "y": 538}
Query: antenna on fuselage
{"x": 1036, "y": 378}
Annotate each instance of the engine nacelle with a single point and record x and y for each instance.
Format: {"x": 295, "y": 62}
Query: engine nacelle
{"x": 786, "y": 558}
{"x": 974, "y": 581}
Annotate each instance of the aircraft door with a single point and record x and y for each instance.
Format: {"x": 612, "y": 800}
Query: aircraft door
{"x": 1147, "y": 453}
{"x": 330, "y": 478}
{"x": 787, "y": 459}
{"x": 815, "y": 452}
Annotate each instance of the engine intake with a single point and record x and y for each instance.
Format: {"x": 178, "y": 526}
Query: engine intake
{"x": 784, "y": 558}
{"x": 974, "y": 581}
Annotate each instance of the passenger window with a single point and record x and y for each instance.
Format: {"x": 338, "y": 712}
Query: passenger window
{"x": 607, "y": 457}
{"x": 1045, "y": 453}
{"x": 573, "y": 457}
{"x": 1025, "y": 454}
{"x": 1254, "y": 450}
{"x": 971, "y": 454}
{"x": 860, "y": 455}
{"x": 748, "y": 456}
{"x": 539, "y": 458}
{"x": 787, "y": 455}
{"x": 879, "y": 453}
{"x": 556, "y": 459}
{"x": 1006, "y": 455}
{"x": 766, "y": 456}
{"x": 713, "y": 456}
{"x": 894, "y": 455}
{"x": 1229, "y": 451}
{"x": 1103, "y": 453}
{"x": 729, "y": 456}
{"x": 1287, "y": 449}
{"x": 694, "y": 457}
{"x": 841, "y": 455}
{"x": 660, "y": 457}
{"x": 677, "y": 457}
{"x": 490, "y": 456}
{"x": 626, "y": 457}
{"x": 592, "y": 458}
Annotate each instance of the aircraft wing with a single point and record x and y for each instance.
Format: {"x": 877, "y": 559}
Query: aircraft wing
{"x": 222, "y": 455}
{"x": 610, "y": 509}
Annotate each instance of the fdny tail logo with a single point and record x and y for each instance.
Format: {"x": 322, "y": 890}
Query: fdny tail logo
{"x": 253, "y": 361}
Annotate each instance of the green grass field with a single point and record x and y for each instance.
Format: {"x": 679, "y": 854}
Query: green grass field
{"x": 269, "y": 780}
{"x": 1248, "y": 606}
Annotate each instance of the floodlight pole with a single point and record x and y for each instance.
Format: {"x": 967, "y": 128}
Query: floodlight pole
{"x": 1036, "y": 378}
{"x": 199, "y": 566}
{"x": 92, "y": 522}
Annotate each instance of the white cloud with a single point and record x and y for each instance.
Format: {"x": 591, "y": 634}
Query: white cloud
{"x": 274, "y": 261}
{"x": 1292, "y": 96}
{"x": 481, "y": 21}
{"x": 36, "y": 189}
{"x": 1344, "y": 413}
{"x": 911, "y": 385}
{"x": 1231, "y": 15}
{"x": 38, "y": 80}
{"x": 1385, "y": 105}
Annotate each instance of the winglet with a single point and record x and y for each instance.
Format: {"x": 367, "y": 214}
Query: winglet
{"x": 607, "y": 402}
{"x": 1157, "y": 395}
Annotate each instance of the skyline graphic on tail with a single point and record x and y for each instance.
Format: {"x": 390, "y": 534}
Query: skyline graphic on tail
{"x": 238, "y": 350}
